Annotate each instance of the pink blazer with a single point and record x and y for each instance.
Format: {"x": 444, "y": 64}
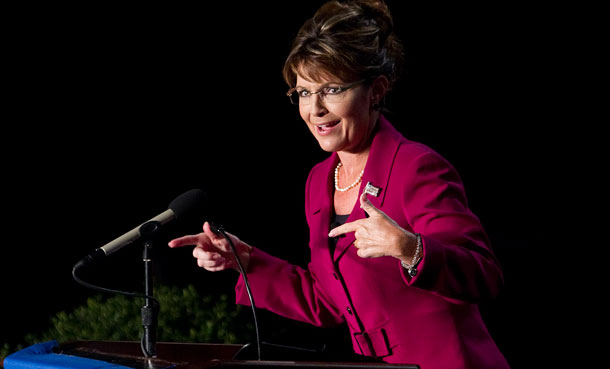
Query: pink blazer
{"x": 431, "y": 319}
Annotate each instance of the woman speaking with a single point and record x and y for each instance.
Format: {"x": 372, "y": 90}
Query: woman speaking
{"x": 396, "y": 254}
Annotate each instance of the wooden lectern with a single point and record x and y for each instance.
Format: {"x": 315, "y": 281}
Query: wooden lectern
{"x": 195, "y": 356}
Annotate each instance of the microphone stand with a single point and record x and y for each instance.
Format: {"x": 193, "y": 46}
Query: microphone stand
{"x": 150, "y": 310}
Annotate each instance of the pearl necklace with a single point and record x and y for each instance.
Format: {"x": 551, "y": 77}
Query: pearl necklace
{"x": 348, "y": 187}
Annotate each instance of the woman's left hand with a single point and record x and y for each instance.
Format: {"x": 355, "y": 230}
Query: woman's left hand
{"x": 378, "y": 235}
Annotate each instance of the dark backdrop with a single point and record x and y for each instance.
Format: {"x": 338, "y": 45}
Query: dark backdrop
{"x": 117, "y": 110}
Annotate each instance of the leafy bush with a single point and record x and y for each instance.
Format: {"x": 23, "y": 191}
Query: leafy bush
{"x": 184, "y": 316}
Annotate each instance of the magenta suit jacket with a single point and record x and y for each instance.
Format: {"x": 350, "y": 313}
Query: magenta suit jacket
{"x": 431, "y": 319}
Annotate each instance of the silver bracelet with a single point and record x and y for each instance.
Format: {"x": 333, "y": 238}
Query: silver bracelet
{"x": 412, "y": 268}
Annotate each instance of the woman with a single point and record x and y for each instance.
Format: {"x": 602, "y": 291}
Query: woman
{"x": 405, "y": 261}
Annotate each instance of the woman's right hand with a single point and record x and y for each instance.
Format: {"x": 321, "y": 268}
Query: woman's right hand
{"x": 213, "y": 251}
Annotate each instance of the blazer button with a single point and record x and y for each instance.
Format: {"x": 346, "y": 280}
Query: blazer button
{"x": 349, "y": 311}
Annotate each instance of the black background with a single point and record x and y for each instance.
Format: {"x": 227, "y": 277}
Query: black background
{"x": 115, "y": 111}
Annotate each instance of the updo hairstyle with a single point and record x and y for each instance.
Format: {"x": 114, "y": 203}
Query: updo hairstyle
{"x": 350, "y": 40}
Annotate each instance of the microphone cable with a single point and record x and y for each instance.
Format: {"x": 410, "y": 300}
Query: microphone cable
{"x": 156, "y": 303}
{"x": 108, "y": 290}
{"x": 221, "y": 230}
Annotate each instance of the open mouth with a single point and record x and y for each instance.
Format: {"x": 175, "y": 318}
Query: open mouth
{"x": 327, "y": 127}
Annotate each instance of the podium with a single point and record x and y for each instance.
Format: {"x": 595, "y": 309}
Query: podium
{"x": 105, "y": 354}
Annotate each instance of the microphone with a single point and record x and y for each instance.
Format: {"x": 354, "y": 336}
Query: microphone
{"x": 179, "y": 207}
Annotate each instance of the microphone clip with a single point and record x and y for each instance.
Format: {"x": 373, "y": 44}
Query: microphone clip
{"x": 149, "y": 229}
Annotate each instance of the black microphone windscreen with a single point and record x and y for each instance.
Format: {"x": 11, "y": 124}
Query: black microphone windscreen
{"x": 188, "y": 201}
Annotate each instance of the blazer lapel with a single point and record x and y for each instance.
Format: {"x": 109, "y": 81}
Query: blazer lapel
{"x": 321, "y": 194}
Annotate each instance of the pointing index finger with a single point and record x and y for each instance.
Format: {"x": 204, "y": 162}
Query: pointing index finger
{"x": 184, "y": 241}
{"x": 343, "y": 229}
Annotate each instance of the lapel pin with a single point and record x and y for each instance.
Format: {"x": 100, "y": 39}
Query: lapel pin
{"x": 372, "y": 190}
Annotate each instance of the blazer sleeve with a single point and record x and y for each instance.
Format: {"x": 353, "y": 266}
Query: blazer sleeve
{"x": 458, "y": 263}
{"x": 287, "y": 290}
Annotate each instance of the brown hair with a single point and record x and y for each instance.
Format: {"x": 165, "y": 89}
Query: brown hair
{"x": 351, "y": 40}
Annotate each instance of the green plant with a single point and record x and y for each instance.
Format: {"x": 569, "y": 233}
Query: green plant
{"x": 185, "y": 316}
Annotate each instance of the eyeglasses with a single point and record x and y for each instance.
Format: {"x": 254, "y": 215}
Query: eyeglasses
{"x": 330, "y": 93}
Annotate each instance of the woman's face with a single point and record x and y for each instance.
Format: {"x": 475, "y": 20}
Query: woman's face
{"x": 345, "y": 125}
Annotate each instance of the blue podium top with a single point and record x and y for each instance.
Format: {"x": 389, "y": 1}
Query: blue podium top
{"x": 41, "y": 356}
